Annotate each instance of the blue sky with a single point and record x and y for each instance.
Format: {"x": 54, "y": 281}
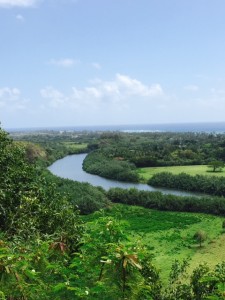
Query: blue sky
{"x": 96, "y": 62}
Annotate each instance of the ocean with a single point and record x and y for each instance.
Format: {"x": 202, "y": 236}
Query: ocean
{"x": 176, "y": 127}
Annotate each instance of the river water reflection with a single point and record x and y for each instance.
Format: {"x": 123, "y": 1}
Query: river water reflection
{"x": 71, "y": 167}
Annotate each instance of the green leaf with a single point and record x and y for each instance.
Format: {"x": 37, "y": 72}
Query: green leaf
{"x": 59, "y": 287}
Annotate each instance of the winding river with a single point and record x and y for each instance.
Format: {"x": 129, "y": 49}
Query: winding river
{"x": 70, "y": 167}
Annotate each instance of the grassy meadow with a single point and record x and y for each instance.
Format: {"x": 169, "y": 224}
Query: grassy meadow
{"x": 169, "y": 235}
{"x": 75, "y": 146}
{"x": 147, "y": 173}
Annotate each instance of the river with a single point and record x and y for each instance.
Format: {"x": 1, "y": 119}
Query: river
{"x": 71, "y": 167}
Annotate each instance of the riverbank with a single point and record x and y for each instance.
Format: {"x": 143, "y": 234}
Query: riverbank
{"x": 70, "y": 167}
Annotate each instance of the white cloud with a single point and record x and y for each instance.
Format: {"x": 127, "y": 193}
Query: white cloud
{"x": 32, "y": 3}
{"x": 11, "y": 99}
{"x": 191, "y": 88}
{"x": 18, "y": 3}
{"x": 20, "y": 18}
{"x": 123, "y": 91}
{"x": 135, "y": 87}
{"x": 56, "y": 98}
{"x": 64, "y": 62}
{"x": 121, "y": 100}
{"x": 60, "y": 2}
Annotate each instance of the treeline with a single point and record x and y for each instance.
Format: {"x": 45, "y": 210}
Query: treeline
{"x": 150, "y": 149}
{"x": 98, "y": 163}
{"x": 198, "y": 183}
{"x": 166, "y": 202}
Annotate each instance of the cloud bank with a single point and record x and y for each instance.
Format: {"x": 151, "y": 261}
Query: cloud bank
{"x": 18, "y": 3}
{"x": 11, "y": 99}
{"x": 122, "y": 100}
{"x": 123, "y": 91}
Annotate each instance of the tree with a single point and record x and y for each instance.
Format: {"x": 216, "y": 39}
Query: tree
{"x": 216, "y": 165}
{"x": 200, "y": 236}
{"x": 223, "y": 225}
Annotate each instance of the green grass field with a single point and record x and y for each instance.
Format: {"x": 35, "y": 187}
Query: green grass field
{"x": 169, "y": 235}
{"x": 75, "y": 147}
{"x": 147, "y": 173}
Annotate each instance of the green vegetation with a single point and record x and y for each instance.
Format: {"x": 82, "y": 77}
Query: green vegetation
{"x": 121, "y": 252}
{"x": 85, "y": 197}
{"x": 216, "y": 165}
{"x": 125, "y": 156}
{"x": 186, "y": 278}
{"x": 34, "y": 219}
{"x": 97, "y": 163}
{"x": 200, "y": 236}
{"x": 169, "y": 235}
{"x": 202, "y": 184}
{"x": 76, "y": 147}
{"x": 46, "y": 147}
{"x": 120, "y": 155}
{"x": 146, "y": 173}
{"x": 168, "y": 202}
